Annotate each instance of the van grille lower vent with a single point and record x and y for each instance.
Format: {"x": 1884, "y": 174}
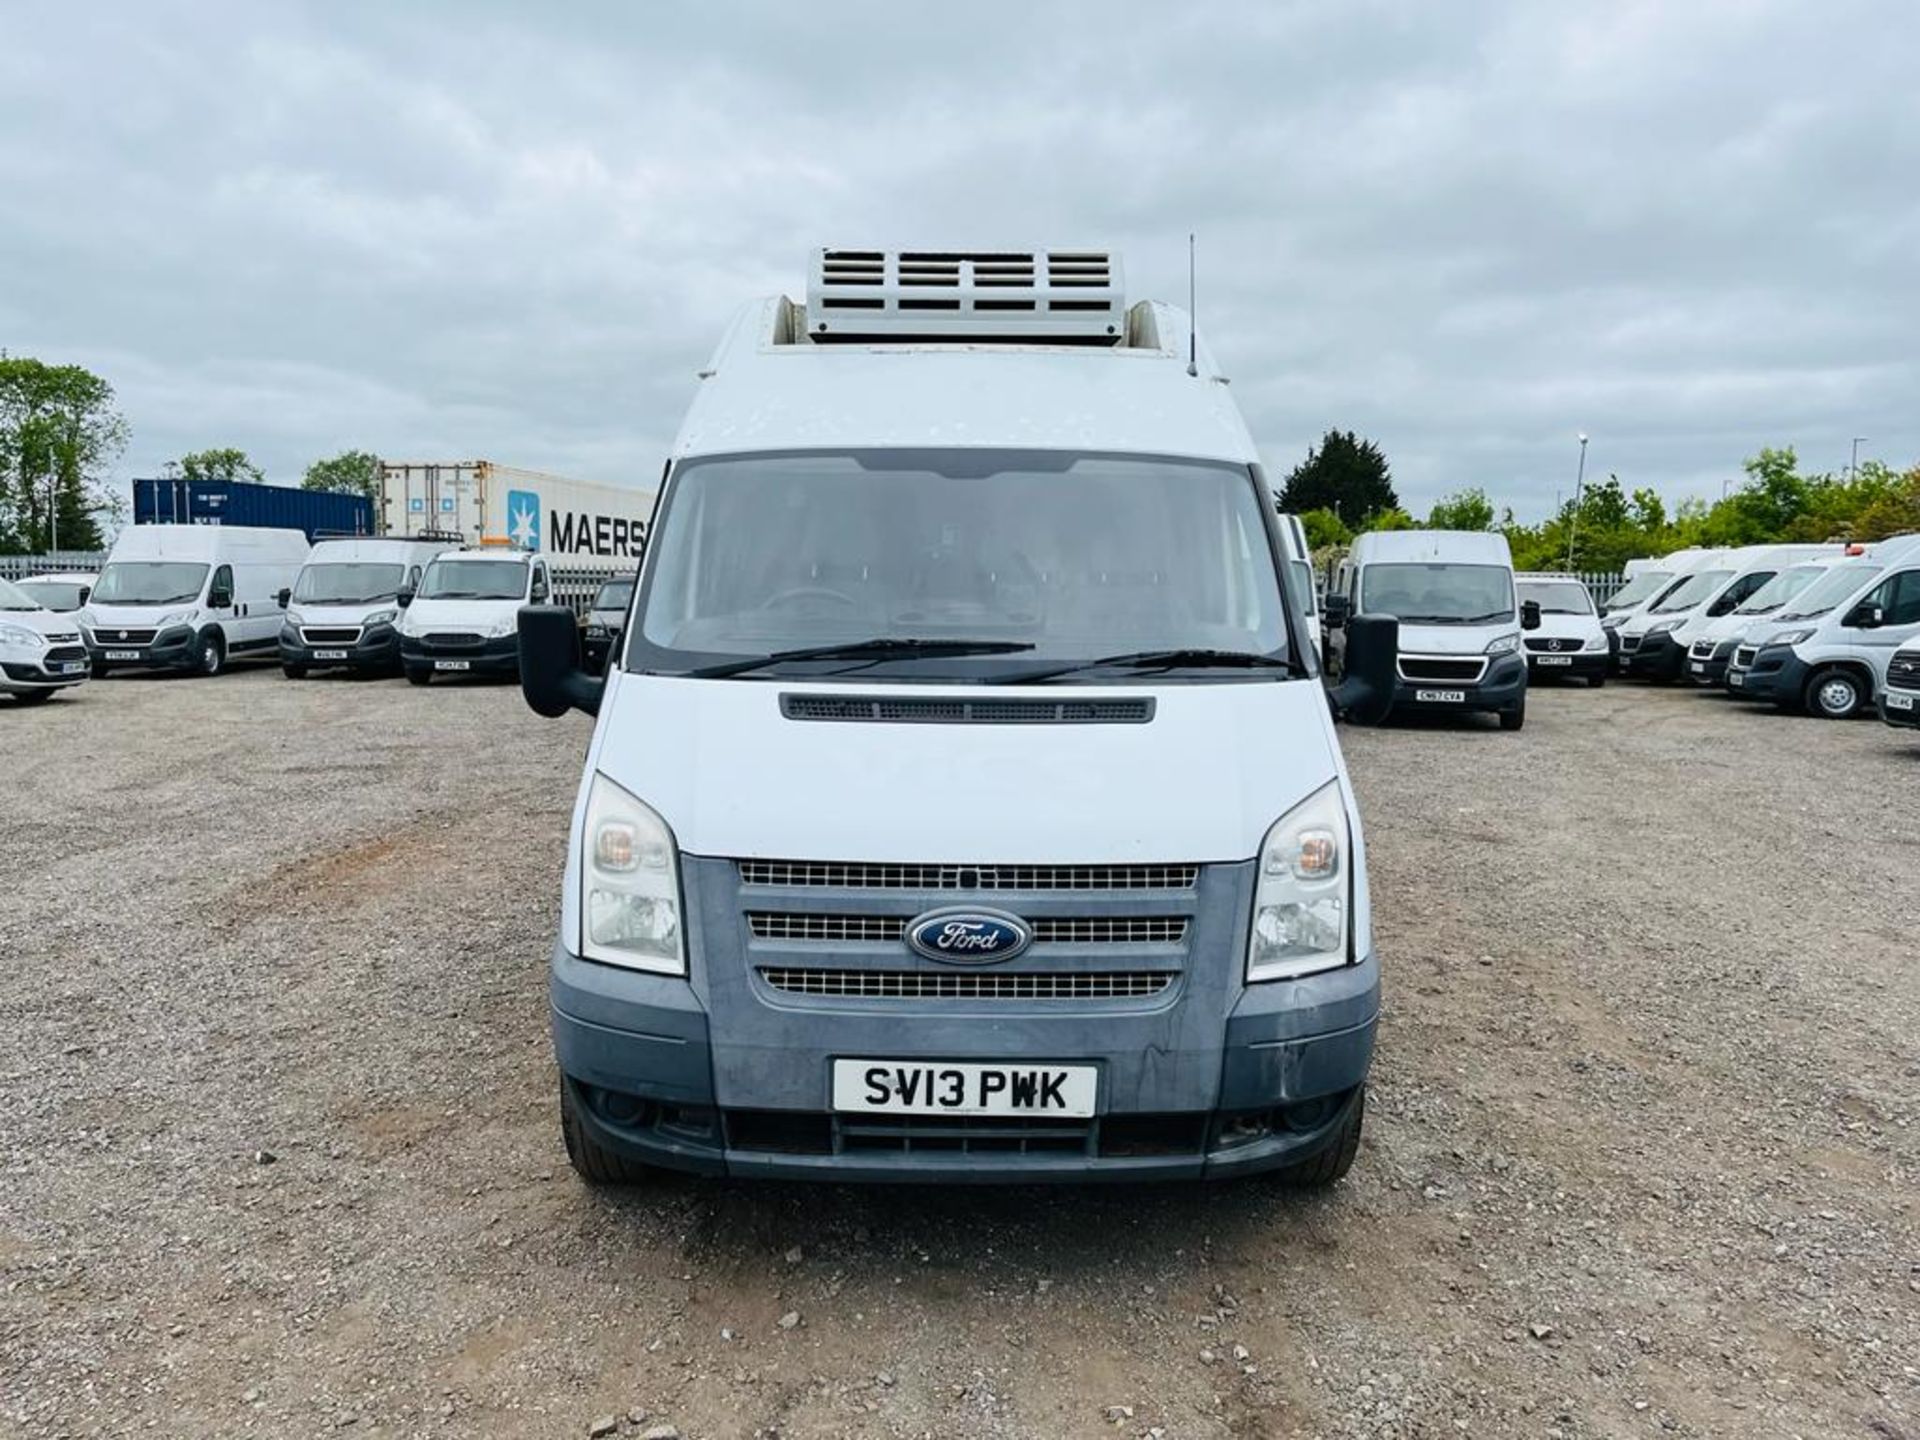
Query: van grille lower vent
{"x": 909, "y": 710}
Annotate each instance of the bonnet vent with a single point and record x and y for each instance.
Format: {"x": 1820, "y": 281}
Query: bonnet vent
{"x": 912, "y": 710}
{"x": 1039, "y": 297}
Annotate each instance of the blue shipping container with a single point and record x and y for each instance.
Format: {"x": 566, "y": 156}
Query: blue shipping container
{"x": 236, "y": 502}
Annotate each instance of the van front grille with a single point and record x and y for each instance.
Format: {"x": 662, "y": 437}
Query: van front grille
{"x": 1093, "y": 930}
{"x": 941, "y": 710}
{"x": 1458, "y": 669}
{"x": 816, "y": 874}
{"x": 1743, "y": 657}
{"x": 1903, "y": 672}
{"x": 968, "y": 984}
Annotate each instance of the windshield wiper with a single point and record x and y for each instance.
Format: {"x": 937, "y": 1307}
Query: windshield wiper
{"x": 1190, "y": 658}
{"x": 881, "y": 647}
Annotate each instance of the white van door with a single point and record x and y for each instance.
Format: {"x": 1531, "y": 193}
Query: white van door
{"x": 1897, "y": 597}
{"x": 224, "y": 606}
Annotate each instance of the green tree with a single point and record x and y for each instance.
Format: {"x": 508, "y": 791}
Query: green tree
{"x": 351, "y": 472}
{"x": 1344, "y": 474}
{"x": 59, "y": 434}
{"x": 1463, "y": 510}
{"x": 1391, "y": 518}
{"x": 1324, "y": 529}
{"x": 225, "y": 463}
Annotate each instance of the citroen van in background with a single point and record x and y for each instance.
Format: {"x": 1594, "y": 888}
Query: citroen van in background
{"x": 40, "y": 650}
{"x": 1569, "y": 640}
{"x": 851, "y": 889}
{"x": 189, "y": 597}
{"x": 1460, "y": 621}
{"x": 344, "y": 608}
{"x": 1900, "y": 700}
{"x": 1826, "y": 651}
{"x": 62, "y": 591}
{"x": 460, "y": 620}
{"x": 1665, "y": 631}
{"x": 1713, "y": 643}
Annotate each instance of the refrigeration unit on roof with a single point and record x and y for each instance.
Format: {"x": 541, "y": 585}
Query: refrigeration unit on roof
{"x": 1032, "y": 297}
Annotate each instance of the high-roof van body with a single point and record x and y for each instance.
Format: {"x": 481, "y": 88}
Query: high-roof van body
{"x": 963, "y": 802}
{"x": 1656, "y": 639}
{"x": 343, "y": 610}
{"x": 1713, "y": 642}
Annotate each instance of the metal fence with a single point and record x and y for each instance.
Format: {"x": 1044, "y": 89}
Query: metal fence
{"x": 18, "y": 567}
{"x": 1601, "y": 586}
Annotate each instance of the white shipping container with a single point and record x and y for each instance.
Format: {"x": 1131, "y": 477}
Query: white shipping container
{"x": 489, "y": 504}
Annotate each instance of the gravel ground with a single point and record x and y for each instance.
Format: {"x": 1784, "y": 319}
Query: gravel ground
{"x": 278, "y": 1151}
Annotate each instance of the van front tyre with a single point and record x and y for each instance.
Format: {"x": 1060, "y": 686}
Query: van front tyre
{"x": 594, "y": 1163}
{"x": 1834, "y": 695}
{"x": 1332, "y": 1161}
{"x": 419, "y": 675}
{"x": 211, "y": 658}
{"x": 1516, "y": 717}
{"x": 33, "y": 697}
{"x": 294, "y": 672}
{"x": 1594, "y": 682}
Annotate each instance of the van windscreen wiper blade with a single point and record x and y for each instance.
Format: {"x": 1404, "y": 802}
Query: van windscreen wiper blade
{"x": 881, "y": 647}
{"x": 1187, "y": 658}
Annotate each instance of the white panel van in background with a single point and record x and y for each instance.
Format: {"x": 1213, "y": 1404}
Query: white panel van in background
{"x": 460, "y": 621}
{"x": 344, "y": 610}
{"x": 1570, "y": 641}
{"x": 190, "y": 597}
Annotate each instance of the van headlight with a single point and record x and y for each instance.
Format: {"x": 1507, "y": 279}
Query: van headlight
{"x": 499, "y": 629}
{"x": 1503, "y": 645}
{"x": 1791, "y": 637}
{"x": 1300, "y": 899}
{"x": 178, "y": 617}
{"x": 630, "y": 908}
{"x": 21, "y": 636}
{"x": 1661, "y": 627}
{"x": 381, "y": 617}
{"x": 294, "y": 617}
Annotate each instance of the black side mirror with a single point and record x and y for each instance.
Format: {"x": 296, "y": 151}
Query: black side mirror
{"x": 219, "y": 599}
{"x": 1335, "y": 610}
{"x": 1529, "y": 614}
{"x": 551, "y": 676}
{"x": 1866, "y": 617}
{"x": 403, "y": 599}
{"x": 86, "y": 592}
{"x": 1365, "y": 692}
{"x": 284, "y": 596}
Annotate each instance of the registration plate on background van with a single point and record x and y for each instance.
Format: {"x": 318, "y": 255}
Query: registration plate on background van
{"x": 1553, "y": 659}
{"x": 1699, "y": 667}
{"x": 1445, "y": 697}
{"x": 123, "y": 654}
{"x": 914, "y": 1087}
{"x": 1899, "y": 702}
{"x": 329, "y": 654}
{"x": 453, "y": 664}
{"x": 67, "y": 667}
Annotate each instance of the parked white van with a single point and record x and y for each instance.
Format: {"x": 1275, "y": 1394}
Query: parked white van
{"x": 460, "y": 620}
{"x": 964, "y": 802}
{"x": 1300, "y": 575}
{"x": 1826, "y": 651}
{"x": 189, "y": 597}
{"x": 1711, "y": 650}
{"x": 1657, "y": 638}
{"x": 344, "y": 609}
{"x": 1647, "y": 580}
{"x": 1460, "y": 621}
{"x": 40, "y": 650}
{"x": 1569, "y": 640}
{"x": 1900, "y": 701}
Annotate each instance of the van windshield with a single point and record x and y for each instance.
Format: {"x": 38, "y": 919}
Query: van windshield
{"x": 148, "y": 582}
{"x": 348, "y": 584}
{"x": 614, "y": 595}
{"x": 54, "y": 594}
{"x": 1059, "y": 556}
{"x": 1439, "y": 593}
{"x": 1781, "y": 588}
{"x": 1557, "y": 597}
{"x": 1838, "y": 584}
{"x": 12, "y": 597}
{"x": 474, "y": 580}
{"x": 1646, "y": 583}
{"x": 1692, "y": 591}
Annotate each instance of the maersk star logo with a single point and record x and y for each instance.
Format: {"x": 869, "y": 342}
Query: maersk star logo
{"x": 523, "y": 519}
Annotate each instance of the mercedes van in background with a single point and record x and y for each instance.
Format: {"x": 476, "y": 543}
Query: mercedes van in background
{"x": 189, "y": 597}
{"x": 460, "y": 620}
{"x": 40, "y": 650}
{"x": 344, "y": 608}
{"x": 1460, "y": 621}
{"x": 1826, "y": 650}
{"x": 1713, "y": 641}
{"x": 1569, "y": 641}
{"x": 964, "y": 803}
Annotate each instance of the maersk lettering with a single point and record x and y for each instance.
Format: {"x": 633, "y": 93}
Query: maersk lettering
{"x": 578, "y": 532}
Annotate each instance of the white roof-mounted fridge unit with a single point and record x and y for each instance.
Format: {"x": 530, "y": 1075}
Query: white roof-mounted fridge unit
{"x": 1017, "y": 297}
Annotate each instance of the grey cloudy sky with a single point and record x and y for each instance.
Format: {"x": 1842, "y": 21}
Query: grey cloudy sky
{"x": 1466, "y": 229}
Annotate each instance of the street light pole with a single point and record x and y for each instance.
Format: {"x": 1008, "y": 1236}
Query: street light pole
{"x": 1853, "y": 460}
{"x": 1579, "y": 479}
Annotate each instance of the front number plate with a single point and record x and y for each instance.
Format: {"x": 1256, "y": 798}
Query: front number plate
{"x": 453, "y": 664}
{"x": 123, "y": 654}
{"x": 329, "y": 654}
{"x": 1449, "y": 697}
{"x": 914, "y": 1087}
{"x": 1736, "y": 679}
{"x": 1899, "y": 702}
{"x": 1553, "y": 659}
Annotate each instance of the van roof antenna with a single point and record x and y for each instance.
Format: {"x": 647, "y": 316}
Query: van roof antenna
{"x": 1193, "y": 334}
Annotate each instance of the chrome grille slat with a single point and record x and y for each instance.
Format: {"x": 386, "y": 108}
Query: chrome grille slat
{"x": 814, "y": 874}
{"x": 1092, "y": 930}
{"x": 967, "y": 984}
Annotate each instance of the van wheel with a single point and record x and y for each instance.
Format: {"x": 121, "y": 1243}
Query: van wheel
{"x": 33, "y": 697}
{"x": 417, "y": 676}
{"x": 212, "y": 658}
{"x": 1834, "y": 695}
{"x": 1516, "y": 717}
{"x": 1335, "y": 1159}
{"x": 294, "y": 672}
{"x": 1594, "y": 682}
{"x": 594, "y": 1163}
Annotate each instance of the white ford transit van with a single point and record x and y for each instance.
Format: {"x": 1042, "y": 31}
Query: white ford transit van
{"x": 40, "y": 651}
{"x": 344, "y": 609}
{"x": 963, "y": 802}
{"x": 190, "y": 597}
{"x": 461, "y": 618}
{"x": 1826, "y": 650}
{"x": 1460, "y": 620}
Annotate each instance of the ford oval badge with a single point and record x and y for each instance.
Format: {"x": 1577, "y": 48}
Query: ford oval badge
{"x": 968, "y": 937}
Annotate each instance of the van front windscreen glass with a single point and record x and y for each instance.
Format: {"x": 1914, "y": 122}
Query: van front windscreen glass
{"x": 1057, "y": 556}
{"x": 1836, "y": 585}
{"x": 348, "y": 584}
{"x": 1692, "y": 591}
{"x": 148, "y": 582}
{"x": 1437, "y": 594}
{"x": 1780, "y": 589}
{"x": 1557, "y": 597}
{"x": 474, "y": 580}
{"x": 1639, "y": 588}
